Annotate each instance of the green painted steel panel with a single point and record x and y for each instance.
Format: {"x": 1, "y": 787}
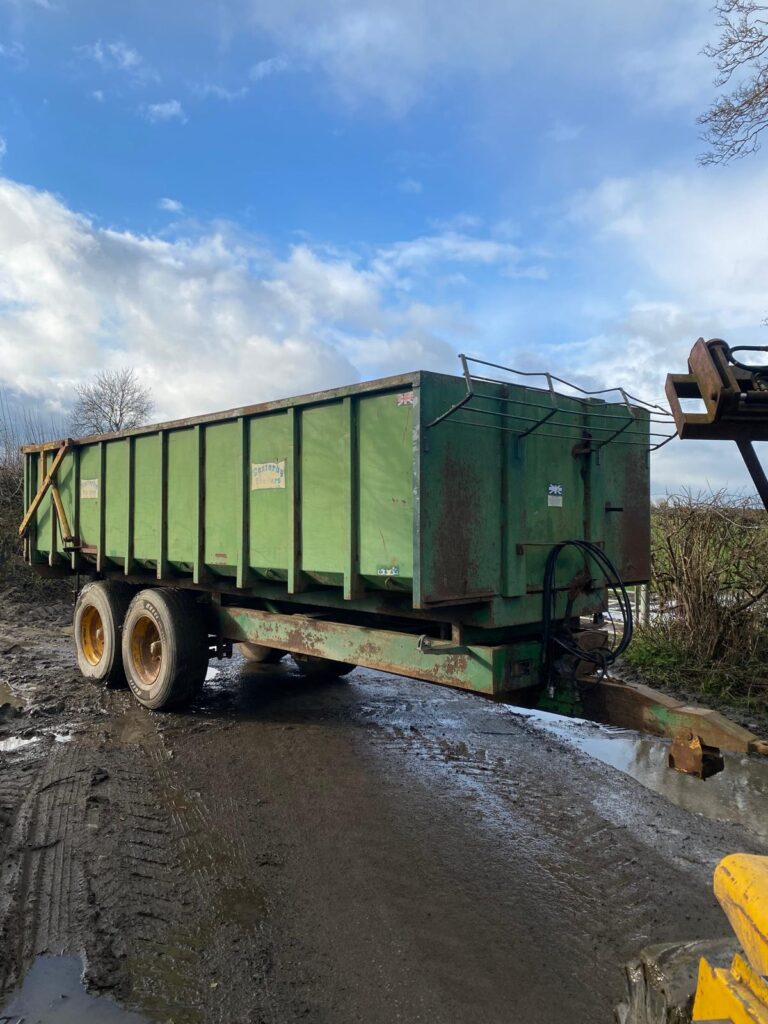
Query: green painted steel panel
{"x": 223, "y": 474}
{"x": 385, "y": 512}
{"x": 182, "y": 496}
{"x": 324, "y": 485}
{"x": 269, "y": 496}
{"x": 90, "y": 484}
{"x": 67, "y": 482}
{"x": 116, "y": 504}
{"x": 44, "y": 522}
{"x": 146, "y": 498}
{"x": 355, "y": 490}
{"x": 461, "y": 490}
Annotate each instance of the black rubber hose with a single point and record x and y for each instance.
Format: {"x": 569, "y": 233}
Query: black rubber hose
{"x": 600, "y": 657}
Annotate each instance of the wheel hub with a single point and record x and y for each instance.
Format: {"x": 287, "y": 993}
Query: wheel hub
{"x": 92, "y": 635}
{"x": 146, "y": 650}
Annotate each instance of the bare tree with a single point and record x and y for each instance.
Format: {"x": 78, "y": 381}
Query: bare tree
{"x": 18, "y": 426}
{"x": 114, "y": 400}
{"x": 733, "y": 123}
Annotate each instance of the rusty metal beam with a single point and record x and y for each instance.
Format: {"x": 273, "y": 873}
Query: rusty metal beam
{"x": 496, "y": 671}
{"x": 635, "y": 706}
{"x": 402, "y": 380}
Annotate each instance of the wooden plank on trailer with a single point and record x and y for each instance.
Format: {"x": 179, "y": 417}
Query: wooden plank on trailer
{"x": 46, "y": 477}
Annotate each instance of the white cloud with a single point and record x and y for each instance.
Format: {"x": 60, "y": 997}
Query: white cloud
{"x": 117, "y": 56}
{"x": 420, "y": 255}
{"x": 673, "y": 71}
{"x": 393, "y": 51}
{"x": 264, "y": 68}
{"x": 171, "y": 205}
{"x": 695, "y": 246}
{"x": 14, "y": 53}
{"x": 699, "y": 236}
{"x": 169, "y": 110}
{"x": 98, "y": 95}
{"x": 561, "y": 132}
{"x": 220, "y": 92}
{"x": 209, "y": 321}
{"x": 3, "y": 148}
{"x": 410, "y": 186}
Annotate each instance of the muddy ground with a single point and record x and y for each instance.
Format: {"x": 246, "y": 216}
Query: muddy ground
{"x": 376, "y": 849}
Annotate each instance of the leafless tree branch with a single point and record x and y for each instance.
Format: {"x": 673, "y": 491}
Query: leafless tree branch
{"x": 735, "y": 121}
{"x": 114, "y": 400}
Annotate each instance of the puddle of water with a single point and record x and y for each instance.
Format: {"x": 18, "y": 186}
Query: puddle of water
{"x": 7, "y": 696}
{"x": 738, "y": 794}
{"x": 52, "y": 993}
{"x": 62, "y": 737}
{"x": 17, "y": 743}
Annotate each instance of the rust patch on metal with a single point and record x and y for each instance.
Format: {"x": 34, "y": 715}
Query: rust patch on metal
{"x": 454, "y": 529}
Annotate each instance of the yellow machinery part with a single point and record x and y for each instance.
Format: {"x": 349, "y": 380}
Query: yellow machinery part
{"x": 739, "y": 995}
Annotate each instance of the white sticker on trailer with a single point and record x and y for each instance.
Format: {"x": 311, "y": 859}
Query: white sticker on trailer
{"x": 89, "y": 489}
{"x": 555, "y": 496}
{"x": 268, "y": 476}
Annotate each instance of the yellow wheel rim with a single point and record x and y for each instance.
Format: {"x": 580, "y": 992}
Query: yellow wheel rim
{"x": 92, "y": 635}
{"x": 146, "y": 650}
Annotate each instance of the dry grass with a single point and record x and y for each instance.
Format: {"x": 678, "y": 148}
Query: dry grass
{"x": 15, "y": 431}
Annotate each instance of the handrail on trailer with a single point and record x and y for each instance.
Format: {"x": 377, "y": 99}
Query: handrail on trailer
{"x": 658, "y": 415}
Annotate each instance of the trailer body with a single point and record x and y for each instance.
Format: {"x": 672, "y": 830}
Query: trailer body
{"x": 394, "y": 506}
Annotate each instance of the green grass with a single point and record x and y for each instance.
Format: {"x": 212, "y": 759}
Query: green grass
{"x": 664, "y": 655}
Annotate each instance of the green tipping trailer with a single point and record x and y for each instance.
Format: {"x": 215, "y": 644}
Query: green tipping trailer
{"x": 401, "y": 524}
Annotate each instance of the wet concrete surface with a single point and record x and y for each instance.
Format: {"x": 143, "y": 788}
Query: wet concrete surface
{"x": 738, "y": 794}
{"x": 376, "y": 849}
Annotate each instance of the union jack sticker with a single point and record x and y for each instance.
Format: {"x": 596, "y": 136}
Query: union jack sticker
{"x": 405, "y": 398}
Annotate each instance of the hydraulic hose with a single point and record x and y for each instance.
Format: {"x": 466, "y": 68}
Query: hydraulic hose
{"x": 601, "y": 658}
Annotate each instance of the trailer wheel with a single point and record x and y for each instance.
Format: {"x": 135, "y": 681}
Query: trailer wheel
{"x": 321, "y": 668}
{"x": 165, "y": 648}
{"x": 260, "y": 653}
{"x": 98, "y": 621}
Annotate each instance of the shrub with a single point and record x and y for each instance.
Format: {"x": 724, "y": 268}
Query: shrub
{"x": 708, "y": 631}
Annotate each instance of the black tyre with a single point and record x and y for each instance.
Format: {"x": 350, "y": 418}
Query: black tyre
{"x": 165, "y": 648}
{"x": 100, "y": 611}
{"x": 321, "y": 668}
{"x": 260, "y": 653}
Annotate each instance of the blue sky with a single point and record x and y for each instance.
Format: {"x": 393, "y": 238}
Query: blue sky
{"x": 251, "y": 199}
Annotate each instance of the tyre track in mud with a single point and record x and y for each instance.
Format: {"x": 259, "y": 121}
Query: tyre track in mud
{"x": 105, "y": 855}
{"x": 441, "y": 859}
{"x": 377, "y": 850}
